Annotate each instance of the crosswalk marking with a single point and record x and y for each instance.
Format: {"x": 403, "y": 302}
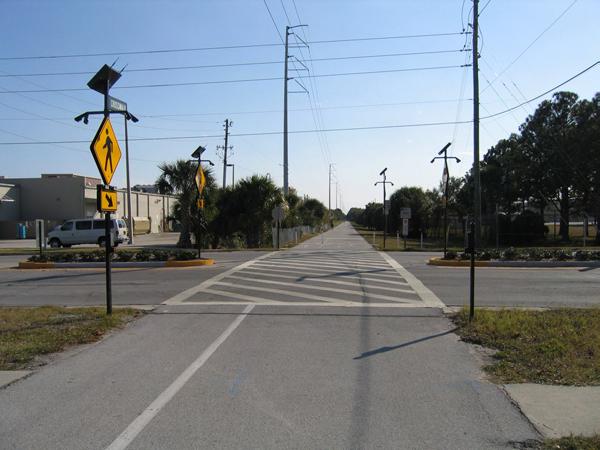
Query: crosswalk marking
{"x": 322, "y": 280}
{"x": 318, "y": 275}
{"x": 321, "y": 288}
{"x": 315, "y": 276}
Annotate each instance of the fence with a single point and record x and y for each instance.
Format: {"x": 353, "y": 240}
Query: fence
{"x": 287, "y": 235}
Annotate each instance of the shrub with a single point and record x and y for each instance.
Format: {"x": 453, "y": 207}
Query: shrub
{"x": 509, "y": 254}
{"x": 450, "y": 255}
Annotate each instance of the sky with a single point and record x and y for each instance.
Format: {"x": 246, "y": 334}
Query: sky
{"x": 526, "y": 48}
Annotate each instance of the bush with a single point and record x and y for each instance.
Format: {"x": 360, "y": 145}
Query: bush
{"x": 450, "y": 255}
{"x": 120, "y": 256}
{"x": 509, "y": 254}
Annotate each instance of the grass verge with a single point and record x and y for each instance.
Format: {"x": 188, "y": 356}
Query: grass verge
{"x": 29, "y": 332}
{"x": 572, "y": 443}
{"x": 559, "y": 346}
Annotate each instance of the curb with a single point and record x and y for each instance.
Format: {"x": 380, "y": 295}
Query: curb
{"x": 116, "y": 265}
{"x": 523, "y": 264}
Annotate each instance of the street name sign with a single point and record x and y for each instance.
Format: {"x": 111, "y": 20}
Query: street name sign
{"x": 114, "y": 104}
{"x": 106, "y": 199}
{"x": 106, "y": 151}
{"x": 405, "y": 213}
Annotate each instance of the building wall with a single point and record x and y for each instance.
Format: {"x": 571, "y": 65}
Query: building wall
{"x": 9, "y": 210}
{"x": 60, "y": 197}
{"x": 52, "y": 198}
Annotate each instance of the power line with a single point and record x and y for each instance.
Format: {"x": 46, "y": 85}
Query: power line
{"x": 273, "y": 20}
{"x": 226, "y": 47}
{"x": 248, "y": 63}
{"x": 330, "y": 130}
{"x": 267, "y": 111}
{"x": 531, "y": 44}
{"x": 246, "y": 80}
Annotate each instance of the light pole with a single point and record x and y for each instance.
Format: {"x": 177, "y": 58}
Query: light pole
{"x": 198, "y": 155}
{"x": 232, "y": 174}
{"x": 445, "y": 180}
{"x": 385, "y": 210}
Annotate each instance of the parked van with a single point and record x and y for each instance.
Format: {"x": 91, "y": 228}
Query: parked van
{"x": 86, "y": 231}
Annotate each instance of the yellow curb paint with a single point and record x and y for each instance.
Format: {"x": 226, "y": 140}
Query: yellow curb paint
{"x": 444, "y": 263}
{"x": 34, "y": 265}
{"x": 190, "y": 263}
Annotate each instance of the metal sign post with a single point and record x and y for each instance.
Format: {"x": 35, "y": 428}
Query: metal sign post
{"x": 107, "y": 153}
{"x": 278, "y": 215}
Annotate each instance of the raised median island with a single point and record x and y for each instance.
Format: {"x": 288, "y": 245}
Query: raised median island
{"x": 120, "y": 259}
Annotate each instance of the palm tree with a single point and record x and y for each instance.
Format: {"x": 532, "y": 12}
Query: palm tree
{"x": 178, "y": 179}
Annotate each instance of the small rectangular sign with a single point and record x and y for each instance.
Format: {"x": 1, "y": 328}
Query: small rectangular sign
{"x": 404, "y": 227}
{"x": 106, "y": 199}
{"x": 405, "y": 213}
{"x": 114, "y": 104}
{"x": 200, "y": 203}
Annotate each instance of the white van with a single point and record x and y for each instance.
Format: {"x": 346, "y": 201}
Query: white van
{"x": 86, "y": 231}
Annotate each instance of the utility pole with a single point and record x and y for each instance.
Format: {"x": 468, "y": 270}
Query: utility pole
{"x": 336, "y": 195}
{"x": 329, "y": 195}
{"x": 285, "y": 114}
{"x": 445, "y": 179}
{"x": 228, "y": 123}
{"x": 475, "y": 228}
{"x": 476, "y": 176}
{"x": 385, "y": 210}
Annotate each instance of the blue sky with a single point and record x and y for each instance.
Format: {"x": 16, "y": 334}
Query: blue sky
{"x": 50, "y": 28}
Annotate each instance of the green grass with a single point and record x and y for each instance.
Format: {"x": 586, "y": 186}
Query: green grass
{"x": 559, "y": 347}
{"x": 572, "y": 443}
{"x": 29, "y": 332}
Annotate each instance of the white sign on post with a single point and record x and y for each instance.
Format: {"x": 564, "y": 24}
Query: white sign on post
{"x": 404, "y": 227}
{"x": 405, "y": 213}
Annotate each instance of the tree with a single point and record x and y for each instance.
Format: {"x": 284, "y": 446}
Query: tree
{"x": 178, "y": 179}
{"x": 247, "y": 209}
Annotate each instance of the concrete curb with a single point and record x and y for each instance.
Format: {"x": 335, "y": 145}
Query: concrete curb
{"x": 116, "y": 265}
{"x": 524, "y": 264}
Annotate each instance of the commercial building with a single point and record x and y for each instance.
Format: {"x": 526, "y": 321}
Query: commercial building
{"x": 58, "y": 197}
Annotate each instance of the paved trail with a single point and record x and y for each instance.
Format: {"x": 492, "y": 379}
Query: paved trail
{"x": 329, "y": 345}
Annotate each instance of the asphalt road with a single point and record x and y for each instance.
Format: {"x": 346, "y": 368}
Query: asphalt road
{"x": 495, "y": 286}
{"x": 332, "y": 359}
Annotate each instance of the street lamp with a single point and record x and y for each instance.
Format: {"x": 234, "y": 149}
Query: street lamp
{"x": 385, "y": 211}
{"x": 445, "y": 179}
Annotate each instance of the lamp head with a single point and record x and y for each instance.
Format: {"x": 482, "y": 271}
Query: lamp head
{"x": 83, "y": 116}
{"x": 383, "y": 171}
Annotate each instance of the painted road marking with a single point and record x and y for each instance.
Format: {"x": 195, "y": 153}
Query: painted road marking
{"x": 141, "y": 421}
{"x": 182, "y": 296}
{"x": 428, "y": 297}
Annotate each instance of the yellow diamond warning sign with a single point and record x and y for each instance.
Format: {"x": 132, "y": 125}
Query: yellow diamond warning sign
{"x": 200, "y": 179}
{"x": 106, "y": 151}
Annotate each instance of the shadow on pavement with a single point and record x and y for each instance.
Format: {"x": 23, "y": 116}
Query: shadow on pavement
{"x": 406, "y": 344}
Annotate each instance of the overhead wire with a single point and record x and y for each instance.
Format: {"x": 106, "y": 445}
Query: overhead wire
{"x": 227, "y": 47}
{"x": 374, "y": 127}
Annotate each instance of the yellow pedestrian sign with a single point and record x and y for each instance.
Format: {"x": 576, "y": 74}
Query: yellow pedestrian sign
{"x": 200, "y": 179}
{"x": 106, "y": 199}
{"x": 106, "y": 151}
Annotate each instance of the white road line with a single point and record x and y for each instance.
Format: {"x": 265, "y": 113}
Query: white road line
{"x": 248, "y": 298}
{"x": 321, "y": 288}
{"x": 352, "y": 262}
{"x": 320, "y": 280}
{"x": 318, "y": 275}
{"x": 321, "y": 268}
{"x": 182, "y": 296}
{"x": 345, "y": 304}
{"x": 428, "y": 297}
{"x": 141, "y": 421}
{"x": 298, "y": 294}
{"x": 338, "y": 265}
